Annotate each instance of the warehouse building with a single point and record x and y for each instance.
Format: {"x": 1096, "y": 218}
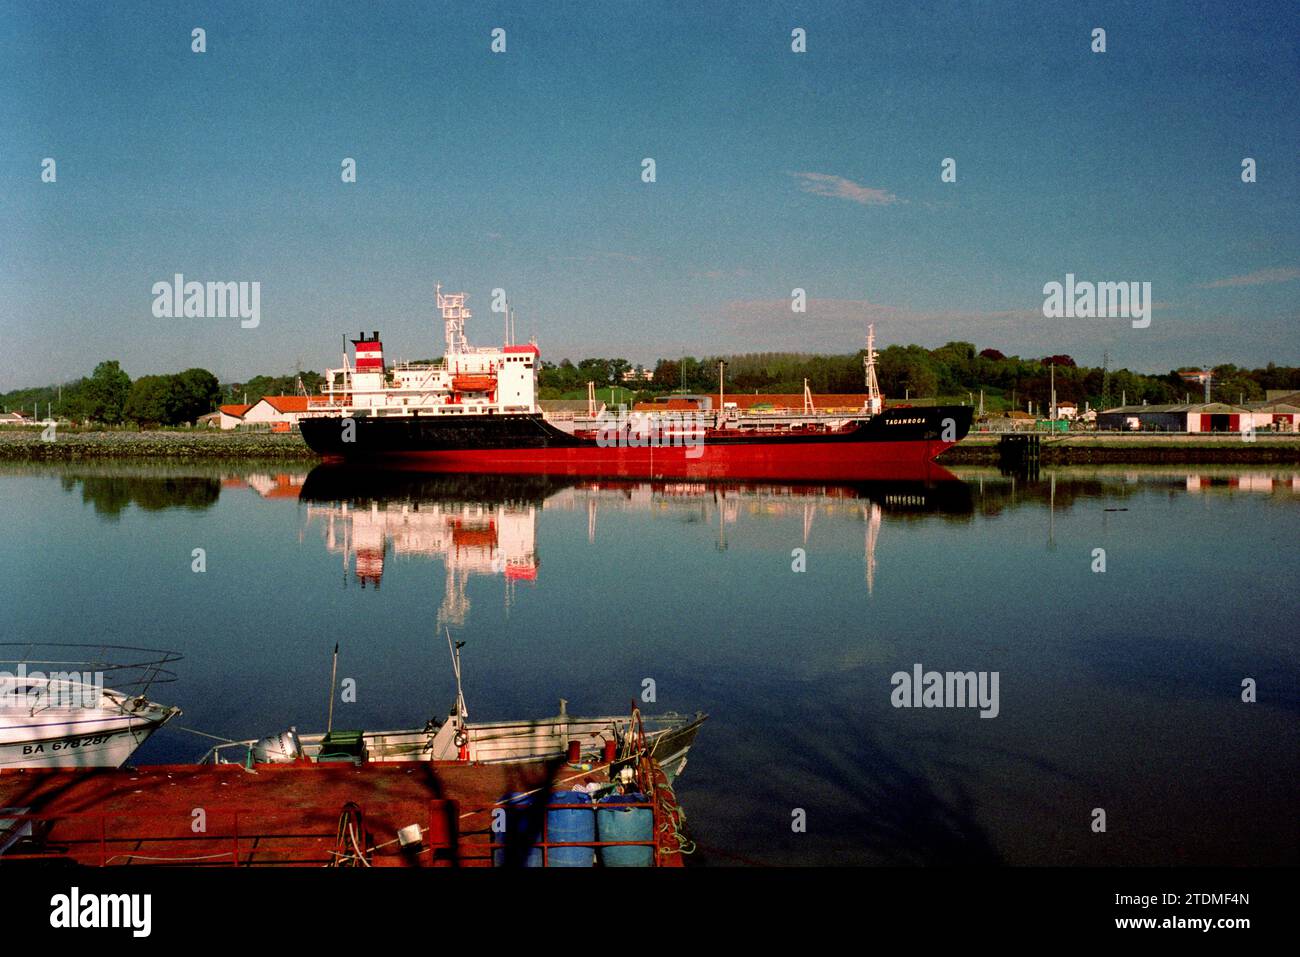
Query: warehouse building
{"x": 1196, "y": 417}
{"x": 1274, "y": 416}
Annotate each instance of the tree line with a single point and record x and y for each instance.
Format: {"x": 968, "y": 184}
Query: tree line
{"x": 952, "y": 371}
{"x": 110, "y": 396}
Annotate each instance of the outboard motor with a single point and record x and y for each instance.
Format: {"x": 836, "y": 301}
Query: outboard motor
{"x": 282, "y": 748}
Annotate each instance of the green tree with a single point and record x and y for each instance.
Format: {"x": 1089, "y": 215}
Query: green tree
{"x": 907, "y": 370}
{"x": 617, "y": 367}
{"x": 196, "y": 392}
{"x": 152, "y": 401}
{"x": 668, "y": 374}
{"x": 106, "y": 392}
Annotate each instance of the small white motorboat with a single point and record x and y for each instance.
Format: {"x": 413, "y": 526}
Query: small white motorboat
{"x": 56, "y": 711}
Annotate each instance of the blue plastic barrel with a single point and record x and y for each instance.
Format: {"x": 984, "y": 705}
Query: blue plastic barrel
{"x": 564, "y": 825}
{"x": 614, "y": 823}
{"x": 514, "y": 846}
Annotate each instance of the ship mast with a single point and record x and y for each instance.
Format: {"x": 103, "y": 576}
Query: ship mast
{"x": 874, "y": 402}
{"x": 462, "y": 712}
{"x": 454, "y": 314}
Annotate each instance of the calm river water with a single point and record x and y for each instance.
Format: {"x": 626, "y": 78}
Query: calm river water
{"x": 1118, "y": 689}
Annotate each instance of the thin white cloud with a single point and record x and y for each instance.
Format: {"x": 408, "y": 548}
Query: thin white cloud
{"x": 1260, "y": 277}
{"x": 837, "y": 187}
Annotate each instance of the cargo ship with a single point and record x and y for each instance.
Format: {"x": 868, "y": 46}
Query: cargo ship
{"x": 476, "y": 410}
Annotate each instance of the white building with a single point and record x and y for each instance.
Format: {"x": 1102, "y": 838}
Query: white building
{"x": 232, "y": 416}
{"x": 273, "y": 410}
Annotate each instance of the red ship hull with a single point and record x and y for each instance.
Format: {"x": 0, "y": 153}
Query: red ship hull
{"x": 900, "y": 443}
{"x": 776, "y": 461}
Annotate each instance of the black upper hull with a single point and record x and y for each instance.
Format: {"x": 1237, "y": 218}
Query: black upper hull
{"x": 377, "y": 437}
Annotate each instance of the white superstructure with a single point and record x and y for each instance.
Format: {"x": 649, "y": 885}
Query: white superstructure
{"x": 467, "y": 381}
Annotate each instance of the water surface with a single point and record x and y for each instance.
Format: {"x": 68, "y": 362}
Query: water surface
{"x": 1118, "y": 690}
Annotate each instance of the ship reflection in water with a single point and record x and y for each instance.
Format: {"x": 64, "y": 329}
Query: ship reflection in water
{"x": 471, "y": 538}
{"x": 691, "y": 584}
{"x": 487, "y": 525}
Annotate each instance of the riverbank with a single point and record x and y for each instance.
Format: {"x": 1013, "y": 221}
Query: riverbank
{"x": 1100, "y": 448}
{"x": 26, "y": 445}
{"x": 1087, "y": 448}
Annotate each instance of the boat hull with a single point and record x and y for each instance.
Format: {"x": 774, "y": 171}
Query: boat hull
{"x": 899, "y": 443}
{"x": 106, "y": 742}
{"x": 668, "y": 739}
{"x": 285, "y": 815}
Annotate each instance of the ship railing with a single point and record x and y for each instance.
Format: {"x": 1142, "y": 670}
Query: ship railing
{"x": 213, "y": 754}
{"x": 129, "y": 670}
{"x": 242, "y": 836}
{"x": 377, "y": 750}
{"x": 231, "y": 836}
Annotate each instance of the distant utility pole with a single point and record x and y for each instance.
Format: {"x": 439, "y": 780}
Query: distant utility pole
{"x": 1105, "y": 381}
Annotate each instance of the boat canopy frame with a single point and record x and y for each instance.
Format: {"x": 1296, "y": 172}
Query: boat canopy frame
{"x": 126, "y": 669}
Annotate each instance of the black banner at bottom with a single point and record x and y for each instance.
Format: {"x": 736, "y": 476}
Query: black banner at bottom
{"x": 514, "y": 907}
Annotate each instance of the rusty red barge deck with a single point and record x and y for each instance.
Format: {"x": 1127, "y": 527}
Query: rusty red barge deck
{"x": 291, "y": 815}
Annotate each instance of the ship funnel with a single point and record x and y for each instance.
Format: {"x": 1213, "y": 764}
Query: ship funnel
{"x": 370, "y": 353}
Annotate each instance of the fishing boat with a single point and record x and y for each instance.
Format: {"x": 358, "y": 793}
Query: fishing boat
{"x": 573, "y": 792}
{"x": 341, "y": 814}
{"x": 610, "y": 740}
{"x": 56, "y": 711}
{"x": 476, "y": 410}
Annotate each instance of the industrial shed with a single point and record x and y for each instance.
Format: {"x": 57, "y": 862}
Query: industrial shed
{"x": 1274, "y": 416}
{"x": 1197, "y": 417}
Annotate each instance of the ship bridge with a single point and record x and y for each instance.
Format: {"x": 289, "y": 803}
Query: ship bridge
{"x": 466, "y": 381}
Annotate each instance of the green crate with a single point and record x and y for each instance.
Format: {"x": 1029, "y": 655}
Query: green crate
{"x": 339, "y": 745}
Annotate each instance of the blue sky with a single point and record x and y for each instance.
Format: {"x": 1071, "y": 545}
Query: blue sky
{"x": 521, "y": 170}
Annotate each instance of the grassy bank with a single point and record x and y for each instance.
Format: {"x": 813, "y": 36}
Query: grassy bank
{"x": 26, "y": 445}
{"x": 1093, "y": 448}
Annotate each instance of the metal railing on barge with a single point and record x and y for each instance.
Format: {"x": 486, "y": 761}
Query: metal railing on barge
{"x": 243, "y": 837}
